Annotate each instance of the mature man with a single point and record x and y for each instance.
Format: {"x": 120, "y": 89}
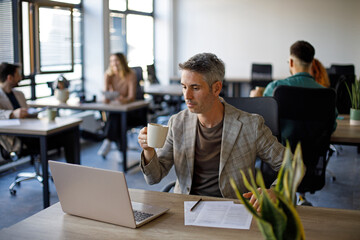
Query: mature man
{"x": 211, "y": 140}
{"x": 12, "y": 102}
{"x": 301, "y": 56}
{"x": 13, "y": 105}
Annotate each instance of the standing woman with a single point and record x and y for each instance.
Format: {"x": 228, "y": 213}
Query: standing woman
{"x": 122, "y": 79}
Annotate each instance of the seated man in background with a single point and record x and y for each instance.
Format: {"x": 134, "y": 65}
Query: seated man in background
{"x": 210, "y": 141}
{"x": 13, "y": 105}
{"x": 300, "y": 60}
{"x": 300, "y": 64}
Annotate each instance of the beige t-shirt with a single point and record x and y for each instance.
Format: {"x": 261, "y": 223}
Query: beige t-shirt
{"x": 207, "y": 159}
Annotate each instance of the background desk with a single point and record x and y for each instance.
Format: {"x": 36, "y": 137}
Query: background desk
{"x": 122, "y": 109}
{"x": 172, "y": 90}
{"x": 345, "y": 133}
{"x": 42, "y": 129}
{"x": 52, "y": 223}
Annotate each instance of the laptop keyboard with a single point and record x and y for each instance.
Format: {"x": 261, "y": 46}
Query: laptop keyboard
{"x": 140, "y": 216}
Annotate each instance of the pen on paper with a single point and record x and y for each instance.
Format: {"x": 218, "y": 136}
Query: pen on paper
{"x": 197, "y": 203}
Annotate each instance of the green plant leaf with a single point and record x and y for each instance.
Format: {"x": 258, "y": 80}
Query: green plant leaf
{"x": 294, "y": 228}
{"x": 299, "y": 171}
{"x": 251, "y": 188}
{"x": 279, "y": 187}
{"x": 354, "y": 93}
{"x": 266, "y": 229}
{"x": 243, "y": 200}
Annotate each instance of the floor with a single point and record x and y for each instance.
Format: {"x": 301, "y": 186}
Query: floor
{"x": 343, "y": 193}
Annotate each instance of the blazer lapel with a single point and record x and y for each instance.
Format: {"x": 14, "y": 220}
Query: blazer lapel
{"x": 231, "y": 129}
{"x": 189, "y": 129}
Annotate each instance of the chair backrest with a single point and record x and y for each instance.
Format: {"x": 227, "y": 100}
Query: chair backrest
{"x": 152, "y": 74}
{"x": 261, "y": 74}
{"x": 307, "y": 115}
{"x": 342, "y": 69}
{"x": 139, "y": 77}
{"x": 338, "y": 76}
{"x": 267, "y": 107}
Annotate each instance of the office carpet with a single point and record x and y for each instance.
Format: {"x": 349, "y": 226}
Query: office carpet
{"x": 343, "y": 193}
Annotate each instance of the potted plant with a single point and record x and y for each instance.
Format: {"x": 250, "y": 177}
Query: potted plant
{"x": 61, "y": 91}
{"x": 277, "y": 219}
{"x": 354, "y": 94}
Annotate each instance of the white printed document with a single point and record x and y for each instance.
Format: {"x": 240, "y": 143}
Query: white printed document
{"x": 9, "y": 122}
{"x": 221, "y": 214}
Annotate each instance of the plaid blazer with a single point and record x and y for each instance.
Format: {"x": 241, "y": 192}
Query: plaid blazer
{"x": 244, "y": 138}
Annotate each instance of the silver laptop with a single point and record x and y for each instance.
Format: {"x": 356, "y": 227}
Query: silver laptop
{"x": 100, "y": 195}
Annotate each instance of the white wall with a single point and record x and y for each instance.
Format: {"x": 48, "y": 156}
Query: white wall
{"x": 244, "y": 31}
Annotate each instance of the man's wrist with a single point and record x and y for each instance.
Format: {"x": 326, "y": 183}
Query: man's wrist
{"x": 148, "y": 155}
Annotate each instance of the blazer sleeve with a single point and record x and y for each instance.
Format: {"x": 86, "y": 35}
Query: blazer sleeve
{"x": 163, "y": 160}
{"x": 269, "y": 149}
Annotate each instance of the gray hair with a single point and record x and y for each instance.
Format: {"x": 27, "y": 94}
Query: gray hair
{"x": 208, "y": 64}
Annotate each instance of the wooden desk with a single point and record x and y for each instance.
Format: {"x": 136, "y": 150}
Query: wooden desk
{"x": 52, "y": 223}
{"x": 42, "y": 129}
{"x": 122, "y": 109}
{"x": 345, "y": 133}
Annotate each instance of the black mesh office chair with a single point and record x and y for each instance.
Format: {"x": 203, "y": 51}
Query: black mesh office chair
{"x": 338, "y": 76}
{"x": 158, "y": 102}
{"x": 261, "y": 75}
{"x": 152, "y": 74}
{"x": 307, "y": 115}
{"x": 139, "y": 78}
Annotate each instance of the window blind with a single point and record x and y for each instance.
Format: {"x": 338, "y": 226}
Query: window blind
{"x": 6, "y": 32}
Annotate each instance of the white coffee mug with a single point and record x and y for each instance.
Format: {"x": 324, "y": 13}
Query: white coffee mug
{"x": 156, "y": 135}
{"x": 51, "y": 114}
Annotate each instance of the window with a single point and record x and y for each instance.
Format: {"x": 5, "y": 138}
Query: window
{"x": 132, "y": 30}
{"x": 50, "y": 33}
{"x": 55, "y": 39}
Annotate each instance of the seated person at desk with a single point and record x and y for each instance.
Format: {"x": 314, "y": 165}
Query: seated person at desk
{"x": 118, "y": 78}
{"x": 13, "y": 105}
{"x": 211, "y": 140}
{"x": 300, "y": 61}
{"x": 300, "y": 64}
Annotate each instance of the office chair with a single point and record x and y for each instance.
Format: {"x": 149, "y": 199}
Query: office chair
{"x": 338, "y": 76}
{"x": 307, "y": 116}
{"x": 23, "y": 176}
{"x": 261, "y": 75}
{"x": 157, "y": 107}
{"x": 152, "y": 74}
